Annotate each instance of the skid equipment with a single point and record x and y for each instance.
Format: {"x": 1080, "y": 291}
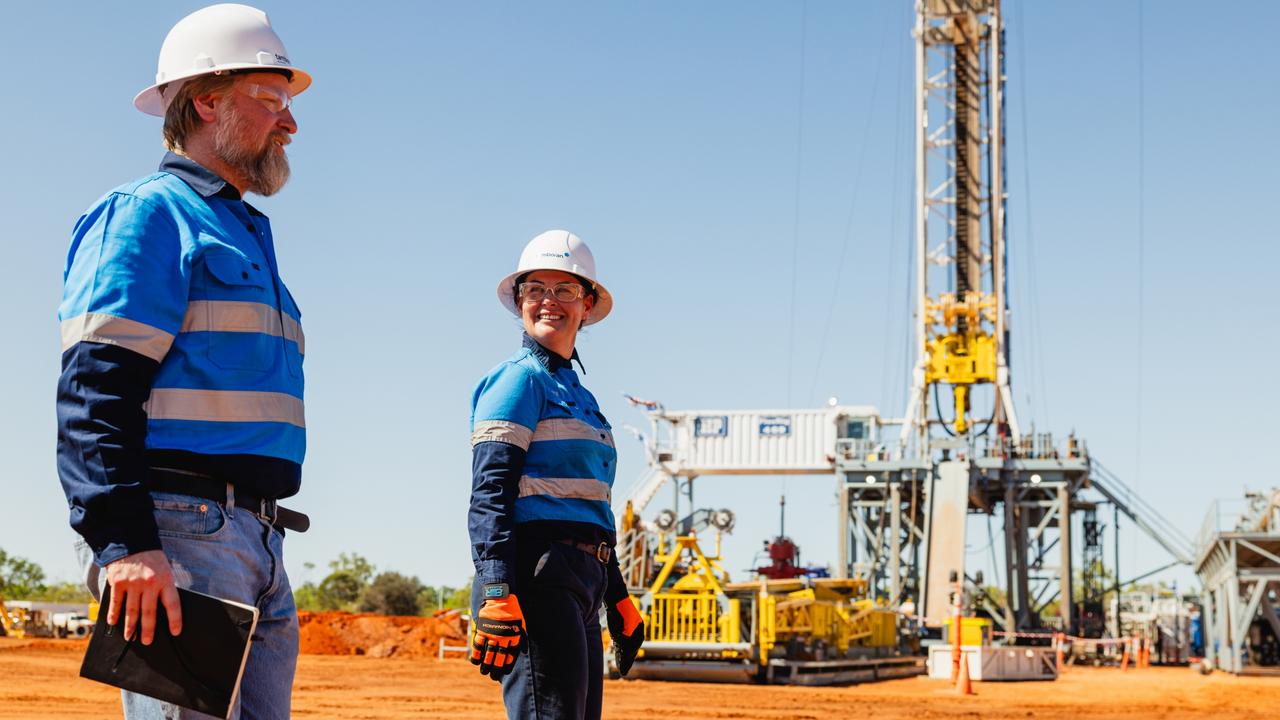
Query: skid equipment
{"x": 699, "y": 626}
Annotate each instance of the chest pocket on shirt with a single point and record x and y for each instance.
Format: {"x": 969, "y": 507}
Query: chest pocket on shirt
{"x": 242, "y": 323}
{"x": 606, "y": 430}
{"x": 563, "y": 406}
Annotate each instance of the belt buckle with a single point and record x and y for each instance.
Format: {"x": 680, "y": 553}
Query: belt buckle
{"x": 602, "y": 553}
{"x": 268, "y": 510}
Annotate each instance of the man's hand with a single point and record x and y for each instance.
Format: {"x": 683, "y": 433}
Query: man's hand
{"x": 499, "y": 630}
{"x": 137, "y": 581}
{"x": 626, "y": 626}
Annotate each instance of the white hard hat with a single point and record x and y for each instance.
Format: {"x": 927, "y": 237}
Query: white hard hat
{"x": 557, "y": 250}
{"x": 217, "y": 39}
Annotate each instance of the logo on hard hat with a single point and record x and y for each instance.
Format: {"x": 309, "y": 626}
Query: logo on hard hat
{"x": 282, "y": 60}
{"x": 555, "y": 254}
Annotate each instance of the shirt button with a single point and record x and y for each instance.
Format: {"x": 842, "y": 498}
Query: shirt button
{"x": 244, "y": 275}
{"x": 251, "y": 227}
{"x": 606, "y": 463}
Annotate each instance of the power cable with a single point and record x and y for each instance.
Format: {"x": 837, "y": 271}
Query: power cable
{"x": 1142, "y": 197}
{"x": 1035, "y": 336}
{"x": 937, "y": 405}
{"x": 795, "y": 234}
{"x": 891, "y": 309}
{"x": 907, "y": 365}
{"x": 853, "y": 205}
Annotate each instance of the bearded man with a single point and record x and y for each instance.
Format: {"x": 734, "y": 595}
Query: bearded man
{"x": 180, "y": 413}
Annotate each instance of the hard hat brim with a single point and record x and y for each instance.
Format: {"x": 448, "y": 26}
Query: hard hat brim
{"x": 150, "y": 101}
{"x": 601, "y": 309}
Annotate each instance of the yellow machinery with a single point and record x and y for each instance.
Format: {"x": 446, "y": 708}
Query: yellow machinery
{"x": 694, "y": 608}
{"x": 700, "y": 626}
{"x": 973, "y": 631}
{"x": 10, "y": 625}
{"x": 828, "y": 615}
{"x": 963, "y": 354}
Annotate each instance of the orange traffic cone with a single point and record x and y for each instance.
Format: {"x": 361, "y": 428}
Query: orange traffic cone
{"x": 1060, "y": 641}
{"x": 964, "y": 686}
{"x": 1124, "y": 657}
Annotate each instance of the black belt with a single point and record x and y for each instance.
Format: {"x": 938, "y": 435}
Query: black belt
{"x": 185, "y": 482}
{"x": 601, "y": 552}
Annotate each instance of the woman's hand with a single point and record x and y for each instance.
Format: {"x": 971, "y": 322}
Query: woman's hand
{"x": 499, "y": 633}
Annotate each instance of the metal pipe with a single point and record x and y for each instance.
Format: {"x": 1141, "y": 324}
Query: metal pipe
{"x": 916, "y": 410}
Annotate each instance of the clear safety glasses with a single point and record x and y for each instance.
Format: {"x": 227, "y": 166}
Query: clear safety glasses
{"x": 275, "y": 99}
{"x": 534, "y": 292}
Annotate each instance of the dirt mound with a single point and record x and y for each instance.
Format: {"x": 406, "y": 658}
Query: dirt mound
{"x": 340, "y": 633}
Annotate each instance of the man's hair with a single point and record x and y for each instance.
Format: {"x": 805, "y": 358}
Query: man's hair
{"x": 180, "y": 117}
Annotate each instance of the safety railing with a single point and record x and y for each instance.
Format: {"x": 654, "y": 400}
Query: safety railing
{"x": 684, "y": 618}
{"x": 862, "y": 449}
{"x": 1159, "y": 528}
{"x": 1034, "y": 446}
{"x": 1222, "y": 516}
{"x": 634, "y": 560}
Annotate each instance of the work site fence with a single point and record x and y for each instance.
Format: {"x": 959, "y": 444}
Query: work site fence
{"x": 1137, "y": 648}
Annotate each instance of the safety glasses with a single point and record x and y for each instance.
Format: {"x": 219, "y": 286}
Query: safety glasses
{"x": 534, "y": 292}
{"x": 275, "y": 99}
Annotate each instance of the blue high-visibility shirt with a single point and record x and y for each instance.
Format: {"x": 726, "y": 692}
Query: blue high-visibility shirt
{"x": 542, "y": 457}
{"x": 182, "y": 348}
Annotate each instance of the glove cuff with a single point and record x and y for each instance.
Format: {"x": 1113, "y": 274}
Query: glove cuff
{"x": 631, "y": 618}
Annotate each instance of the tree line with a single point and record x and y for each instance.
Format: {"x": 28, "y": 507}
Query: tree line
{"x": 22, "y": 579}
{"x": 353, "y": 586}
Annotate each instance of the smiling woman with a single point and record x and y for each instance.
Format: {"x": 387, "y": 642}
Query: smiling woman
{"x": 542, "y": 531}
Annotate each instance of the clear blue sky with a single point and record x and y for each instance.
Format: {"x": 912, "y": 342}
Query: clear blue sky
{"x": 439, "y": 137}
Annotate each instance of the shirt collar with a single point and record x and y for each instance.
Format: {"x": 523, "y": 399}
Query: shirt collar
{"x": 201, "y": 179}
{"x": 553, "y": 362}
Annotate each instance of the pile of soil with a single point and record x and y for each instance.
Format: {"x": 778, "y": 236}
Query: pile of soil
{"x": 340, "y": 633}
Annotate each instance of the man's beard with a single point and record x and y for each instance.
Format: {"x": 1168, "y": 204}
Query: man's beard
{"x": 265, "y": 168}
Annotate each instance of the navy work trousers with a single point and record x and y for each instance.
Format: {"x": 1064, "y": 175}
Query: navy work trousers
{"x": 559, "y": 675}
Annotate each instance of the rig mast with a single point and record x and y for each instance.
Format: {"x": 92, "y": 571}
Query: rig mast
{"x": 961, "y": 313}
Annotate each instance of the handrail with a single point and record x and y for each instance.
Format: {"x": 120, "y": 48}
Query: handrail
{"x": 1142, "y": 513}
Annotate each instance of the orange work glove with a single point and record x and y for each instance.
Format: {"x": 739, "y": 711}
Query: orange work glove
{"x": 626, "y": 626}
{"x": 499, "y": 633}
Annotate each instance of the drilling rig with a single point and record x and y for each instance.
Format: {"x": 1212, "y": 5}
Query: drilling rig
{"x": 908, "y": 488}
{"x": 907, "y": 515}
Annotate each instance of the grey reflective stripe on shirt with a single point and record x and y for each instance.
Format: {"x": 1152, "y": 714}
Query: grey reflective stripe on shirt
{"x": 132, "y": 335}
{"x": 503, "y": 431}
{"x": 241, "y": 316}
{"x": 224, "y": 406}
{"x": 577, "y": 488}
{"x": 570, "y": 429}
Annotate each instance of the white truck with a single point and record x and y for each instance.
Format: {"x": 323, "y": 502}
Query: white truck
{"x": 70, "y": 624}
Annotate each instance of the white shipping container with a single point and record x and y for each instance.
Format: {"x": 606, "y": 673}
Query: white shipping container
{"x": 744, "y": 442}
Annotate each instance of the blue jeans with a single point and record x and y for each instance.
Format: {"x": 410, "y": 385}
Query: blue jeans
{"x": 229, "y": 552}
{"x": 560, "y": 674}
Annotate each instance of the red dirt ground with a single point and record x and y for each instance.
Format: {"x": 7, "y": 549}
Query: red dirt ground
{"x": 337, "y": 633}
{"x": 386, "y": 669}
